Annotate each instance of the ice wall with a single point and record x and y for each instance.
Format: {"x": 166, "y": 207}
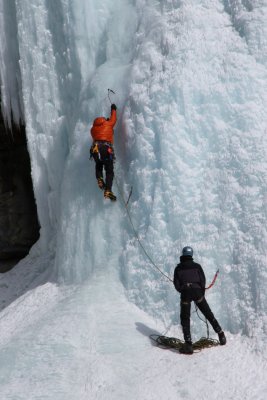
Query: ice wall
{"x": 51, "y": 87}
{"x": 197, "y": 134}
{"x": 190, "y": 139}
{"x": 10, "y": 77}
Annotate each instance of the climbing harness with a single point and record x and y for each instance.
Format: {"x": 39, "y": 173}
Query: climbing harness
{"x": 166, "y": 342}
{"x": 96, "y": 153}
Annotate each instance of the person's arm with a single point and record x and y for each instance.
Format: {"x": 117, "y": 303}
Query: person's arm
{"x": 176, "y": 281}
{"x": 202, "y": 277}
{"x": 113, "y": 116}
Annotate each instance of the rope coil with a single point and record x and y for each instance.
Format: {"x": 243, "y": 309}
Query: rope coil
{"x": 166, "y": 342}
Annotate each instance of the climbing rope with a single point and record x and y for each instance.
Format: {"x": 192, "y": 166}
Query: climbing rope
{"x": 125, "y": 203}
{"x": 136, "y": 233}
{"x": 203, "y": 320}
{"x": 166, "y": 342}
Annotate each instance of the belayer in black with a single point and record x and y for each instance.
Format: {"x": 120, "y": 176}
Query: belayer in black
{"x": 189, "y": 280}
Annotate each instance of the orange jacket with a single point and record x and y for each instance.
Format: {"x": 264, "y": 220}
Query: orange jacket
{"x": 102, "y": 129}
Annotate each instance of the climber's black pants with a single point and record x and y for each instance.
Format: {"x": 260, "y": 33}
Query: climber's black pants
{"x": 196, "y": 295}
{"x": 104, "y": 159}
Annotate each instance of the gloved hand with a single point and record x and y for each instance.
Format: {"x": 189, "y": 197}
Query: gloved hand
{"x": 113, "y": 107}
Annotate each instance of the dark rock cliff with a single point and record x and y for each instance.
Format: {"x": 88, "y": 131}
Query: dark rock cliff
{"x": 19, "y": 228}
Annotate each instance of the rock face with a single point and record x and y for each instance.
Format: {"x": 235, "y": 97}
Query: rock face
{"x": 19, "y": 228}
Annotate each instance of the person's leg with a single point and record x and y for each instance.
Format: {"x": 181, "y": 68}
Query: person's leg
{"x": 107, "y": 157}
{"x": 185, "y": 320}
{"x": 206, "y": 311}
{"x": 187, "y": 347}
{"x": 109, "y": 168}
{"x": 98, "y": 167}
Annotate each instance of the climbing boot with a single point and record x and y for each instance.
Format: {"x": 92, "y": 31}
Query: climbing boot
{"x": 101, "y": 183}
{"x": 109, "y": 195}
{"x": 186, "y": 348}
{"x": 222, "y": 338}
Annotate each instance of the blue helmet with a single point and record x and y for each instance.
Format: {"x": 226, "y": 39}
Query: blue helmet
{"x": 187, "y": 251}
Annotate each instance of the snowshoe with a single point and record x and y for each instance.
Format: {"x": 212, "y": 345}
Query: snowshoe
{"x": 222, "y": 338}
{"x": 101, "y": 183}
{"x": 109, "y": 195}
{"x": 186, "y": 348}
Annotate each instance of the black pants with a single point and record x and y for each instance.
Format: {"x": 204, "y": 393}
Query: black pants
{"x": 196, "y": 295}
{"x": 104, "y": 159}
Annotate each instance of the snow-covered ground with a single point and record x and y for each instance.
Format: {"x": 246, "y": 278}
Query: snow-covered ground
{"x": 88, "y": 342}
{"x": 190, "y": 79}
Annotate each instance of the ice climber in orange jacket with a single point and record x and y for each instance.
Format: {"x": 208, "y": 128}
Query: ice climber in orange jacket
{"x": 103, "y": 152}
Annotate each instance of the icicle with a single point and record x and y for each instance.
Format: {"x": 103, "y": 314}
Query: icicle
{"x": 10, "y": 78}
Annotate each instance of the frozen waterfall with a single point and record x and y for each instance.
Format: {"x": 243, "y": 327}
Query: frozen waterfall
{"x": 190, "y": 83}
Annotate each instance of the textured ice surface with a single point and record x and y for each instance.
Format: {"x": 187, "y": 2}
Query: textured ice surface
{"x": 190, "y": 139}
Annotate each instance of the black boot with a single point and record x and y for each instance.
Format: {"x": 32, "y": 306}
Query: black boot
{"x": 109, "y": 195}
{"x": 222, "y": 338}
{"x": 101, "y": 183}
{"x": 186, "y": 348}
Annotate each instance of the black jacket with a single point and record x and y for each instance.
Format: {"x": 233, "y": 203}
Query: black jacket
{"x": 188, "y": 272}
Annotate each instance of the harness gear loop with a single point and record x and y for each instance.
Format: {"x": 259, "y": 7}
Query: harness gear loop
{"x": 95, "y": 148}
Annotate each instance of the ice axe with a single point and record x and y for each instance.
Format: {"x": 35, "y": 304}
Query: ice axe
{"x": 110, "y": 91}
